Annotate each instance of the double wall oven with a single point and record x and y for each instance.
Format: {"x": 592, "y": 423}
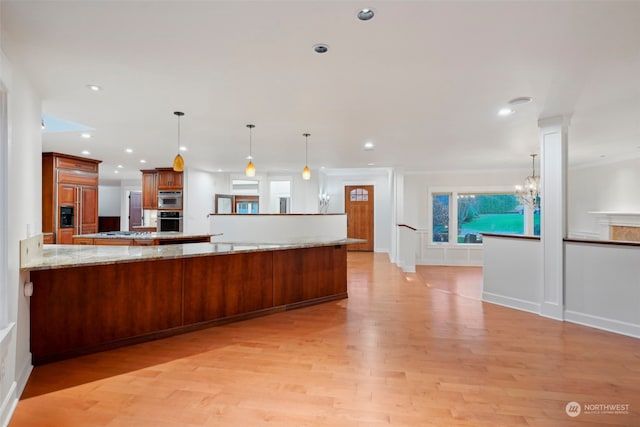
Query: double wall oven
{"x": 170, "y": 220}
{"x": 170, "y": 210}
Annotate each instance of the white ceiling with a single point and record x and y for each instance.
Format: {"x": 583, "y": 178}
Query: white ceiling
{"x": 423, "y": 80}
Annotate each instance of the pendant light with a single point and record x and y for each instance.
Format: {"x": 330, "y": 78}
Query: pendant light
{"x": 306, "y": 172}
{"x": 250, "y": 170}
{"x": 178, "y": 162}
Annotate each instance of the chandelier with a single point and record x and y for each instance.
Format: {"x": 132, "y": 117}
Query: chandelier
{"x": 529, "y": 193}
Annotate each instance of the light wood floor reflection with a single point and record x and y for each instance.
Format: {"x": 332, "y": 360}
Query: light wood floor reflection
{"x": 403, "y": 350}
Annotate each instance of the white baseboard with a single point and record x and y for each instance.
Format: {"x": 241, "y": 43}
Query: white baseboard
{"x": 609, "y": 325}
{"x": 23, "y": 374}
{"x": 8, "y": 405}
{"x": 515, "y": 303}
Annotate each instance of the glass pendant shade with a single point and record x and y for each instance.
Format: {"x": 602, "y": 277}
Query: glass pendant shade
{"x": 178, "y": 162}
{"x": 250, "y": 170}
{"x": 306, "y": 172}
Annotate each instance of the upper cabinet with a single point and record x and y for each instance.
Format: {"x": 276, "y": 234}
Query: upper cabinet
{"x": 149, "y": 189}
{"x": 158, "y": 179}
{"x": 168, "y": 179}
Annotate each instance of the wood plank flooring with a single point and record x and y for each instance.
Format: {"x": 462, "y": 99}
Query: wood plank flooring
{"x": 404, "y": 350}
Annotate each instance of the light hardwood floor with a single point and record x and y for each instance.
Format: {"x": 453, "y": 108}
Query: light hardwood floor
{"x": 404, "y": 350}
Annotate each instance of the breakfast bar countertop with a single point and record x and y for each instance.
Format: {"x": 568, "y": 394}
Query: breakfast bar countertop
{"x": 67, "y": 256}
{"x": 164, "y": 235}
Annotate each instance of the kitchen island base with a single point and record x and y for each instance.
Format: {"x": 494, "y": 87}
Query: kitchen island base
{"x": 85, "y": 309}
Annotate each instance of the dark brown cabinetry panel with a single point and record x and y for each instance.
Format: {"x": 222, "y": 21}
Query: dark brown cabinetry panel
{"x": 168, "y": 179}
{"x": 80, "y": 310}
{"x": 221, "y": 286}
{"x": 77, "y": 309}
{"x": 69, "y": 181}
{"x": 306, "y": 274}
{"x": 149, "y": 190}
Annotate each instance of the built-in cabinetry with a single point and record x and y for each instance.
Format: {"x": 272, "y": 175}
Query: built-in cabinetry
{"x": 69, "y": 196}
{"x": 149, "y": 189}
{"x": 168, "y": 179}
{"x": 158, "y": 179}
{"x": 148, "y": 299}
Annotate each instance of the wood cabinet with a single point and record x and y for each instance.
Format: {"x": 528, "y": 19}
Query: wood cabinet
{"x": 69, "y": 183}
{"x": 168, "y": 179}
{"x": 149, "y": 189}
{"x": 83, "y": 309}
{"x": 158, "y": 179}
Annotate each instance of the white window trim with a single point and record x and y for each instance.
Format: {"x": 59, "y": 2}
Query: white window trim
{"x": 453, "y": 210}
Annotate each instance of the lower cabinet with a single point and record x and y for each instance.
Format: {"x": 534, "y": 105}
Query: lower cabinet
{"x": 80, "y": 310}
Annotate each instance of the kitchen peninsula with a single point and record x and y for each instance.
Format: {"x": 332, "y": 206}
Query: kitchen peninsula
{"x": 92, "y": 298}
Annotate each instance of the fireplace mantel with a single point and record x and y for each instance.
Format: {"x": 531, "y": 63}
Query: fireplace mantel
{"x": 618, "y": 225}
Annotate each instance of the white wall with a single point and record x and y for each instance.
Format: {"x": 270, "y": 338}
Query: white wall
{"x": 304, "y": 194}
{"x": 198, "y": 199}
{"x": 605, "y": 187}
{"x": 25, "y": 216}
{"x": 109, "y": 200}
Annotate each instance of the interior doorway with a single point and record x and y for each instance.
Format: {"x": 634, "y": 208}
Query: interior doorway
{"x": 135, "y": 209}
{"x": 358, "y": 205}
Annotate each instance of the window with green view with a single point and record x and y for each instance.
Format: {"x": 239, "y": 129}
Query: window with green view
{"x": 490, "y": 213}
{"x": 441, "y": 217}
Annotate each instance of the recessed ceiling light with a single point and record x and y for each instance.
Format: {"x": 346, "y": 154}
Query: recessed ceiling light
{"x": 143, "y": 161}
{"x": 371, "y": 164}
{"x": 219, "y": 170}
{"x": 365, "y": 14}
{"x": 368, "y": 146}
{"x": 128, "y": 150}
{"x": 505, "y": 112}
{"x": 116, "y": 171}
{"x": 320, "y": 48}
{"x": 85, "y": 135}
{"x": 85, "y": 152}
{"x": 183, "y": 148}
{"x": 521, "y": 100}
{"x": 94, "y": 88}
{"x": 120, "y": 166}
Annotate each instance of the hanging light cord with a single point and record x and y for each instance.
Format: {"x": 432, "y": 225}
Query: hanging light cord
{"x": 306, "y": 148}
{"x": 533, "y": 164}
{"x": 250, "y": 144}
{"x": 179, "y": 133}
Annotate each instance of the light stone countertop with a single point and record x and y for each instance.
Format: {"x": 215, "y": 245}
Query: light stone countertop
{"x": 66, "y": 256}
{"x": 143, "y": 235}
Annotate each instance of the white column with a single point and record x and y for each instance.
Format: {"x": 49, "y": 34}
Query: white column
{"x": 553, "y": 212}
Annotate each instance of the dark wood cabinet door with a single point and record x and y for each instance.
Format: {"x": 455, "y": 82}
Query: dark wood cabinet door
{"x": 149, "y": 190}
{"x": 169, "y": 179}
{"x": 89, "y": 209}
{"x": 65, "y": 236}
{"x": 66, "y": 195}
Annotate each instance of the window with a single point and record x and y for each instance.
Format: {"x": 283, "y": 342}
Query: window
{"x": 441, "y": 217}
{"x": 246, "y": 204}
{"x": 477, "y": 213}
{"x": 359, "y": 195}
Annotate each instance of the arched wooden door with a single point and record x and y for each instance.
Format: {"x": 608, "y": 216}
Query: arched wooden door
{"x": 358, "y": 205}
